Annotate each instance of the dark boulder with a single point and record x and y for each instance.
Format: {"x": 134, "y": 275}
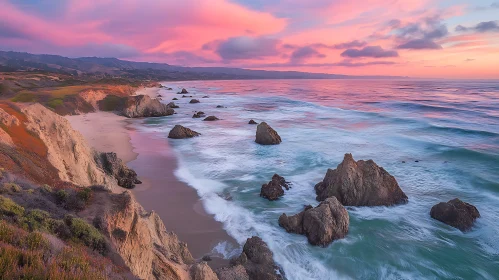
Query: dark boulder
{"x": 144, "y": 106}
{"x": 114, "y": 166}
{"x": 322, "y": 225}
{"x": 172, "y": 105}
{"x": 361, "y": 183}
{"x": 198, "y": 115}
{"x": 180, "y": 132}
{"x": 211, "y": 118}
{"x": 193, "y": 101}
{"x": 255, "y": 262}
{"x": 252, "y": 122}
{"x": 184, "y": 91}
{"x": 175, "y": 98}
{"x": 206, "y": 96}
{"x": 275, "y": 188}
{"x": 455, "y": 213}
{"x": 266, "y": 135}
{"x": 220, "y": 106}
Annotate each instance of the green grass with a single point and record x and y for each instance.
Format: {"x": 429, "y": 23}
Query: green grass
{"x": 54, "y": 103}
{"x": 10, "y": 208}
{"x": 25, "y": 97}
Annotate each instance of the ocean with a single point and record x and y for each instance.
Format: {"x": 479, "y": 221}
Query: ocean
{"x": 438, "y": 138}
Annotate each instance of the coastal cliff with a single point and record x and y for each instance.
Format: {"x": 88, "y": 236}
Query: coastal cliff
{"x": 41, "y": 147}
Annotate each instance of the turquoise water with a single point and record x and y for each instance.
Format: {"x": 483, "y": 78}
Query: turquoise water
{"x": 450, "y": 127}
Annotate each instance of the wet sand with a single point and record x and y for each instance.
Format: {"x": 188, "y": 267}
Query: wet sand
{"x": 177, "y": 204}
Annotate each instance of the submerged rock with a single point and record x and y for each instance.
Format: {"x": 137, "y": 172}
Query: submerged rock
{"x": 455, "y": 213}
{"x": 174, "y": 98}
{"x": 274, "y": 189}
{"x": 114, "y": 166}
{"x": 220, "y": 106}
{"x": 266, "y": 135}
{"x": 194, "y": 101}
{"x": 322, "y": 225}
{"x": 252, "y": 122}
{"x": 211, "y": 118}
{"x": 180, "y": 132}
{"x": 361, "y": 183}
{"x": 255, "y": 262}
{"x": 198, "y": 115}
{"x": 206, "y": 96}
{"x": 172, "y": 105}
{"x": 184, "y": 91}
{"x": 144, "y": 106}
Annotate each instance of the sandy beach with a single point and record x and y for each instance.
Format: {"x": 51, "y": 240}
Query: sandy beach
{"x": 176, "y": 203}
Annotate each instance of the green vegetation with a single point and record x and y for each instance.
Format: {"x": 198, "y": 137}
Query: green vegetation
{"x": 111, "y": 103}
{"x": 25, "y": 97}
{"x": 10, "y": 188}
{"x": 61, "y": 196}
{"x": 81, "y": 231}
{"x": 10, "y": 208}
{"x": 27, "y": 255}
{"x": 37, "y": 220}
{"x": 55, "y": 102}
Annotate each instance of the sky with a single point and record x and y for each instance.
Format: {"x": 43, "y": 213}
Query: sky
{"x": 416, "y": 38}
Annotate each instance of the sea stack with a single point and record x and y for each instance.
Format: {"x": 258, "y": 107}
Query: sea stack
{"x": 455, "y": 213}
{"x": 275, "y": 188}
{"x": 144, "y": 106}
{"x": 322, "y": 225}
{"x": 180, "y": 132}
{"x": 360, "y": 183}
{"x": 266, "y": 135}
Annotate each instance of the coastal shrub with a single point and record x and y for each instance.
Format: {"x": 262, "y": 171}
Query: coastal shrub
{"x": 111, "y": 103}
{"x": 37, "y": 220}
{"x": 85, "y": 194}
{"x": 24, "y": 97}
{"x": 10, "y": 188}
{"x": 86, "y": 233}
{"x": 61, "y": 196}
{"x": 54, "y": 103}
{"x": 10, "y": 208}
{"x": 46, "y": 188}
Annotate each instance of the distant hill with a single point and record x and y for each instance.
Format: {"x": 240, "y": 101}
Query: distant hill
{"x": 113, "y": 67}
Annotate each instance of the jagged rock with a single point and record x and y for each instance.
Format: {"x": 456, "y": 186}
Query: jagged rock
{"x": 455, "y": 213}
{"x": 322, "y": 225}
{"x": 194, "y": 101}
{"x": 274, "y": 189}
{"x": 211, "y": 118}
{"x": 184, "y": 91}
{"x": 361, "y": 183}
{"x": 172, "y": 105}
{"x": 180, "y": 132}
{"x": 112, "y": 165}
{"x": 198, "y": 115}
{"x": 144, "y": 106}
{"x": 8, "y": 119}
{"x": 255, "y": 262}
{"x": 201, "y": 271}
{"x": 265, "y": 135}
{"x": 252, "y": 122}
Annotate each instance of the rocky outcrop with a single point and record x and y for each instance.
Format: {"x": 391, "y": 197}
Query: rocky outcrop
{"x": 180, "y": 132}
{"x": 455, "y": 213}
{"x": 198, "y": 115}
{"x": 67, "y": 150}
{"x": 172, "y": 105}
{"x": 266, "y": 135}
{"x": 126, "y": 177}
{"x": 193, "y": 101}
{"x": 275, "y": 188}
{"x": 184, "y": 91}
{"x": 8, "y": 119}
{"x": 144, "y": 106}
{"x": 360, "y": 183}
{"x": 201, "y": 271}
{"x": 93, "y": 97}
{"x": 211, "y": 118}
{"x": 139, "y": 237}
{"x": 322, "y": 225}
{"x": 252, "y": 122}
{"x": 255, "y": 262}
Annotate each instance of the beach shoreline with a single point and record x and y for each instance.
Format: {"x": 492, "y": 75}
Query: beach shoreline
{"x": 176, "y": 203}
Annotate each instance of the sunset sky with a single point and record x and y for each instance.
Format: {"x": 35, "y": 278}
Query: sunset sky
{"x": 417, "y": 38}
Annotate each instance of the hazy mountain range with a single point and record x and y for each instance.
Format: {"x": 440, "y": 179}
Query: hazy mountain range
{"x": 85, "y": 66}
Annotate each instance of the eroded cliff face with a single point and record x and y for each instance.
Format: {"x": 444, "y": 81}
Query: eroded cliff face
{"x": 67, "y": 150}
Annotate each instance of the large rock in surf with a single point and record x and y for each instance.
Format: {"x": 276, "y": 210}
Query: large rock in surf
{"x": 184, "y": 91}
{"x": 274, "y": 189}
{"x": 180, "y": 132}
{"x": 266, "y": 135}
{"x": 255, "y": 262}
{"x": 114, "y": 166}
{"x": 172, "y": 105}
{"x": 198, "y": 115}
{"x": 361, "y": 183}
{"x": 211, "y": 118}
{"x": 252, "y": 122}
{"x": 144, "y": 106}
{"x": 193, "y": 101}
{"x": 455, "y": 213}
{"x": 322, "y": 225}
